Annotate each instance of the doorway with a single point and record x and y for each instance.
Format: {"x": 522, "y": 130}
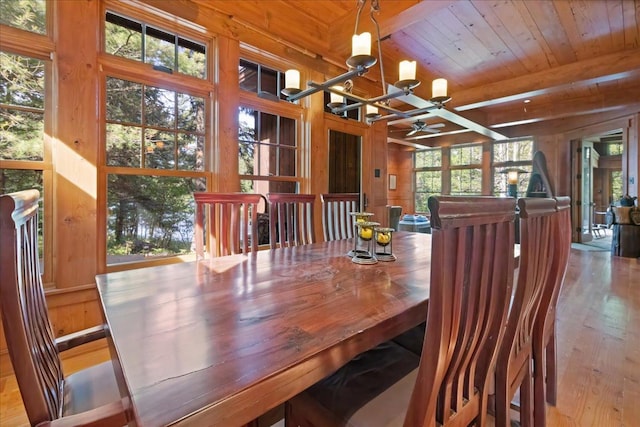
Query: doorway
{"x": 597, "y": 182}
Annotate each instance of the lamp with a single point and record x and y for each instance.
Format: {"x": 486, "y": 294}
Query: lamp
{"x": 512, "y": 180}
{"x": 359, "y": 63}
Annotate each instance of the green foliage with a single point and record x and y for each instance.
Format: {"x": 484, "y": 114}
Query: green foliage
{"x": 149, "y": 214}
{"x": 22, "y": 128}
{"x": 29, "y": 15}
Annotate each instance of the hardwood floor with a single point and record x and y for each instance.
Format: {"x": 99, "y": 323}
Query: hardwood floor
{"x": 598, "y": 347}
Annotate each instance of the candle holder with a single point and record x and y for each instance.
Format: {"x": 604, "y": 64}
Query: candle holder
{"x": 384, "y": 245}
{"x": 359, "y": 217}
{"x": 364, "y": 243}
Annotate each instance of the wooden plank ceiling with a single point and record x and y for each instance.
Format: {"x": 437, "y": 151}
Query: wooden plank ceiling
{"x": 517, "y": 67}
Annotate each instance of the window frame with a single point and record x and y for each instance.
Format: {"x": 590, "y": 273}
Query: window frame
{"x": 41, "y": 47}
{"x": 466, "y": 166}
{"x": 113, "y": 66}
{"x": 417, "y": 170}
{"x": 499, "y": 167}
{"x": 294, "y": 111}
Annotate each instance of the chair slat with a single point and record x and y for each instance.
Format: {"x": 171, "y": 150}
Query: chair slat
{"x": 337, "y": 223}
{"x": 291, "y": 219}
{"x": 233, "y": 223}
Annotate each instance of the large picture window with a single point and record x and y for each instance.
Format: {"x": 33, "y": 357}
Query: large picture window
{"x": 155, "y": 139}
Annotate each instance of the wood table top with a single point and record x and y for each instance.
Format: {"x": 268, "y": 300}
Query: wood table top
{"x": 221, "y": 341}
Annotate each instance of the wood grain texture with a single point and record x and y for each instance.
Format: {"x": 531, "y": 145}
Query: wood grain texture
{"x": 224, "y": 340}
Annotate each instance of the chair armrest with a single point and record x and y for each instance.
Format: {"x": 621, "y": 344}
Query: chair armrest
{"x": 84, "y": 336}
{"x": 109, "y": 415}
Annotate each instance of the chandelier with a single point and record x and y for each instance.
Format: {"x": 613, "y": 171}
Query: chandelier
{"x": 361, "y": 60}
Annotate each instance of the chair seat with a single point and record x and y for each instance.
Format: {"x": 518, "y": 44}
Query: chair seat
{"x": 372, "y": 390}
{"x": 90, "y": 388}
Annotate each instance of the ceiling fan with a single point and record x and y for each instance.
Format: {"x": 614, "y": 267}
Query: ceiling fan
{"x": 424, "y": 108}
{"x": 420, "y": 126}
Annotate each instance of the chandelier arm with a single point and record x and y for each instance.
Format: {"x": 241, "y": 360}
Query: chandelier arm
{"x": 317, "y": 87}
{"x": 359, "y": 102}
{"x": 404, "y": 114}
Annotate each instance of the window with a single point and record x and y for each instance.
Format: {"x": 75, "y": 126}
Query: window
{"x": 515, "y": 154}
{"x": 614, "y": 149}
{"x": 615, "y": 180}
{"x": 28, "y": 15}
{"x": 151, "y": 127}
{"x": 428, "y": 176}
{"x": 466, "y": 170}
{"x": 267, "y": 152}
{"x": 260, "y": 79}
{"x": 353, "y": 113}
{"x": 24, "y": 162}
{"x": 165, "y": 51}
{"x": 155, "y": 139}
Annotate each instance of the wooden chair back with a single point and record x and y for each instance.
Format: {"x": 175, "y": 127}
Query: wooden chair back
{"x": 514, "y": 370}
{"x": 472, "y": 264}
{"x": 232, "y": 227}
{"x": 88, "y": 397}
{"x": 561, "y": 247}
{"x": 544, "y": 342}
{"x": 30, "y": 340}
{"x": 291, "y": 219}
{"x": 337, "y": 223}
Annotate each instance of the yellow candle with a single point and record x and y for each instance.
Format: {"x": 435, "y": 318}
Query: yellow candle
{"x": 366, "y": 233}
{"x": 383, "y": 238}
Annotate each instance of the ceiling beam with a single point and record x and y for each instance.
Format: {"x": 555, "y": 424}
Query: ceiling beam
{"x": 603, "y": 68}
{"x": 566, "y": 107}
{"x": 567, "y": 124}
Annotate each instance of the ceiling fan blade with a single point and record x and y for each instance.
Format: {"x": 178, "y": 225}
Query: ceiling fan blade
{"x": 429, "y": 129}
{"x": 436, "y": 125}
{"x": 412, "y": 132}
{"x": 410, "y": 119}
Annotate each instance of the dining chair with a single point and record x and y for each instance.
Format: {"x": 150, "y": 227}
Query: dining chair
{"x": 515, "y": 355}
{"x": 291, "y": 219}
{"x": 471, "y": 276}
{"x": 337, "y": 223}
{"x": 233, "y": 223}
{"x": 545, "y": 380}
{"x": 87, "y": 397}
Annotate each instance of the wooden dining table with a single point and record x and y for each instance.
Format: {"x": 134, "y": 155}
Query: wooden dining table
{"x": 220, "y": 341}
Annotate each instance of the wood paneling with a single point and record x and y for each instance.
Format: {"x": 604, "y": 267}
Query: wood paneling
{"x": 400, "y": 160}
